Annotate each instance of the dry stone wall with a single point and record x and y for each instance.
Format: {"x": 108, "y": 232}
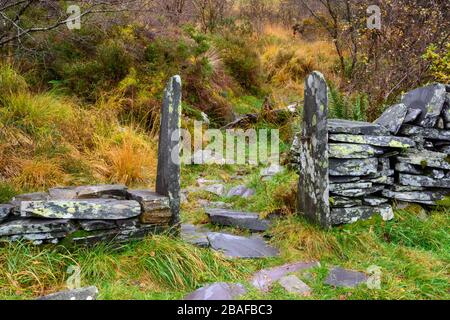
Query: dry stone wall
{"x": 402, "y": 156}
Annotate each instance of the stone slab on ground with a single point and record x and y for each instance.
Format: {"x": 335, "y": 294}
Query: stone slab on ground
{"x": 355, "y": 127}
{"x": 194, "y": 235}
{"x": 240, "y": 219}
{"x": 217, "y": 189}
{"x": 218, "y": 291}
{"x": 293, "y": 284}
{"x": 241, "y": 191}
{"x": 93, "y": 209}
{"x": 339, "y": 277}
{"x": 263, "y": 279}
{"x": 378, "y": 141}
{"x": 353, "y": 214}
{"x": 241, "y": 247}
{"x": 87, "y": 293}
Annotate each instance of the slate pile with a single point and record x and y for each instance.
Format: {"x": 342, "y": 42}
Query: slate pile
{"x": 84, "y": 215}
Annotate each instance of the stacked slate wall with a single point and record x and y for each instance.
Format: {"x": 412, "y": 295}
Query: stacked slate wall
{"x": 84, "y": 215}
{"x": 403, "y": 156}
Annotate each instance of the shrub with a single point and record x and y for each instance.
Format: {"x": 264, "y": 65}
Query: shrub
{"x": 439, "y": 63}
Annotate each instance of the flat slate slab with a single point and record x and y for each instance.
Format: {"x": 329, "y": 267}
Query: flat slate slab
{"x": 353, "y": 214}
{"x": 429, "y": 133}
{"x": 241, "y": 247}
{"x": 35, "y": 196}
{"x": 263, "y": 279}
{"x": 378, "y": 141}
{"x": 239, "y": 219}
{"x": 424, "y": 197}
{"x": 293, "y": 284}
{"x": 354, "y": 193}
{"x": 350, "y": 185}
{"x": 88, "y": 293}
{"x": 430, "y": 100}
{"x": 412, "y": 115}
{"x": 241, "y": 191}
{"x": 149, "y": 200}
{"x": 95, "y": 209}
{"x": 353, "y": 167}
{"x": 194, "y": 235}
{"x": 338, "y": 277}
{"x": 392, "y": 119}
{"x": 374, "y": 201}
{"x": 423, "y": 181}
{"x": 5, "y": 211}
{"x": 218, "y": 291}
{"x": 116, "y": 191}
{"x": 425, "y": 158}
{"x": 33, "y": 226}
{"x": 344, "y": 202}
{"x": 94, "y": 225}
{"x": 217, "y": 189}
{"x": 355, "y": 127}
{"x": 353, "y": 151}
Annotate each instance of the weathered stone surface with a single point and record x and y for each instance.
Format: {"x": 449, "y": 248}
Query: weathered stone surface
{"x": 88, "y": 293}
{"x": 214, "y": 204}
{"x": 430, "y": 100}
{"x": 446, "y": 109}
{"x": 240, "y": 247}
{"x": 94, "y": 209}
{"x": 30, "y": 226}
{"x": 313, "y": 193}
{"x": 407, "y": 168}
{"x": 399, "y": 188}
{"x": 379, "y": 141}
{"x": 218, "y": 291}
{"x": 217, "y": 189}
{"x": 344, "y": 202}
{"x": 64, "y": 193}
{"x": 339, "y": 277}
{"x": 201, "y": 182}
{"x": 381, "y": 179}
{"x": 263, "y": 279}
{"x": 168, "y": 172}
{"x": 244, "y": 220}
{"x": 271, "y": 171}
{"x": 358, "y": 192}
{"x": 35, "y": 196}
{"x": 241, "y": 191}
{"x": 355, "y": 127}
{"x": 343, "y": 179}
{"x": 424, "y": 197}
{"x": 93, "y": 225}
{"x": 158, "y": 216}
{"x": 445, "y": 149}
{"x": 107, "y": 191}
{"x": 412, "y": 115}
{"x": 353, "y": 167}
{"x": 347, "y": 186}
{"x": 353, "y": 151}
{"x": 393, "y": 117}
{"x": 425, "y": 158}
{"x": 36, "y": 238}
{"x": 429, "y": 133}
{"x": 5, "y": 211}
{"x": 194, "y": 235}
{"x": 293, "y": 284}
{"x": 374, "y": 201}
{"x": 353, "y": 214}
{"x": 423, "y": 181}
{"x": 149, "y": 200}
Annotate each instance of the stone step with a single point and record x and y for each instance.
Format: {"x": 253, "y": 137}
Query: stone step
{"x": 239, "y": 219}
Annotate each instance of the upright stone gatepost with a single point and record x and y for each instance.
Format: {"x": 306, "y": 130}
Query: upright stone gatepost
{"x": 168, "y": 174}
{"x": 313, "y": 186}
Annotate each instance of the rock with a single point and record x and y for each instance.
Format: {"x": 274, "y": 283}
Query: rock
{"x": 423, "y": 197}
{"x": 338, "y": 277}
{"x": 425, "y": 158}
{"x": 440, "y": 124}
{"x": 344, "y": 202}
{"x": 5, "y": 211}
{"x": 205, "y": 182}
{"x": 347, "y": 186}
{"x": 240, "y": 247}
{"x": 94, "y": 225}
{"x": 93, "y": 209}
{"x": 407, "y": 168}
{"x": 399, "y": 188}
{"x": 423, "y": 181}
{"x": 194, "y": 235}
{"x": 343, "y": 179}
{"x": 106, "y": 191}
{"x": 217, "y": 189}
{"x": 393, "y": 117}
{"x": 35, "y": 196}
{"x": 32, "y": 226}
{"x": 353, "y": 151}
{"x": 168, "y": 172}
{"x": 445, "y": 149}
{"x": 358, "y": 192}
{"x": 355, "y": 127}
{"x": 436, "y": 174}
{"x": 88, "y": 293}
{"x": 292, "y": 284}
{"x": 412, "y": 115}
{"x": 218, "y": 291}
{"x": 241, "y": 191}
{"x": 214, "y": 204}
{"x": 64, "y": 193}
{"x": 263, "y": 279}
{"x": 272, "y": 170}
{"x": 379, "y": 141}
{"x": 428, "y": 133}
{"x": 243, "y": 220}
{"x": 36, "y": 238}
{"x": 353, "y": 214}
{"x": 430, "y": 100}
{"x": 353, "y": 167}
{"x": 155, "y": 208}
{"x": 374, "y": 201}
{"x": 446, "y": 110}
{"x": 381, "y": 179}
{"x": 313, "y": 194}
